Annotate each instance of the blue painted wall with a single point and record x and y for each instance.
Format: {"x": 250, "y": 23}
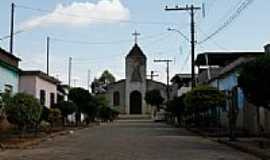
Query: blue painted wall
{"x": 10, "y": 77}
{"x": 227, "y": 83}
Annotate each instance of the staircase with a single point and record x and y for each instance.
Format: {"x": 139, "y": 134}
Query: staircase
{"x": 134, "y": 117}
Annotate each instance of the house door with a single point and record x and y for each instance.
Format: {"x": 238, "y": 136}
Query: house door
{"x": 135, "y": 103}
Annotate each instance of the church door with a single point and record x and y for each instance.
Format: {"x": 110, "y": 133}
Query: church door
{"x": 135, "y": 103}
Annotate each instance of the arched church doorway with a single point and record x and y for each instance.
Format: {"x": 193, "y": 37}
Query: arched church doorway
{"x": 135, "y": 102}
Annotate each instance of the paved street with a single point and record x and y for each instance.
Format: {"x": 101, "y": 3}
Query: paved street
{"x": 133, "y": 140}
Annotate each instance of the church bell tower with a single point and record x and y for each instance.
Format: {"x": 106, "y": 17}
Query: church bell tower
{"x": 135, "y": 87}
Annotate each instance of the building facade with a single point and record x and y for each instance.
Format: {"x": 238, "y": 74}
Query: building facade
{"x": 40, "y": 85}
{"x": 9, "y": 72}
{"x": 127, "y": 95}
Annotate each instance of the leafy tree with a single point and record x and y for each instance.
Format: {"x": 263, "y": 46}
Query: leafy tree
{"x": 100, "y": 85}
{"x": 202, "y": 99}
{"x": 154, "y": 98}
{"x": 254, "y": 80}
{"x": 66, "y": 108}
{"x": 23, "y": 110}
{"x": 81, "y": 98}
{"x": 176, "y": 108}
{"x": 107, "y": 77}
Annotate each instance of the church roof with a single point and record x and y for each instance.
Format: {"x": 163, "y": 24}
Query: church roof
{"x": 136, "y": 52}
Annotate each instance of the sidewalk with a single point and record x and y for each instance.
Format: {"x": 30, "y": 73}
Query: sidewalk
{"x": 245, "y": 144}
{"x": 249, "y": 145}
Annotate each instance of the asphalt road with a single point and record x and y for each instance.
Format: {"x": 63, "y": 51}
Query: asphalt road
{"x": 128, "y": 140}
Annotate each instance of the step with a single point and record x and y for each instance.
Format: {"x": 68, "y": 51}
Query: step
{"x": 134, "y": 117}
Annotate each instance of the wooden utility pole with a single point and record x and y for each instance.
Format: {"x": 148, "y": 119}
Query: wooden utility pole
{"x": 69, "y": 71}
{"x": 48, "y": 55}
{"x": 192, "y": 27}
{"x": 167, "y": 61}
{"x": 11, "y": 41}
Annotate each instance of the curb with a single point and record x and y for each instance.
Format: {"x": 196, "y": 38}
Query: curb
{"x": 259, "y": 154}
{"x": 30, "y": 144}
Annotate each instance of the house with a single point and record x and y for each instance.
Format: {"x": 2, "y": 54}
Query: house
{"x": 40, "y": 85}
{"x": 210, "y": 64}
{"x": 221, "y": 70}
{"x": 9, "y": 72}
{"x": 181, "y": 84}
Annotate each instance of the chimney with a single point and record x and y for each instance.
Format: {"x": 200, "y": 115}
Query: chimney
{"x": 267, "y": 49}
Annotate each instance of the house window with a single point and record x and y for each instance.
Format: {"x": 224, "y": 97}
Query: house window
{"x": 52, "y": 99}
{"x": 116, "y": 98}
{"x": 42, "y": 96}
{"x": 8, "y": 89}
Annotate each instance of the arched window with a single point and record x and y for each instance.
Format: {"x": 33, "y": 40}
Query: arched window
{"x": 116, "y": 98}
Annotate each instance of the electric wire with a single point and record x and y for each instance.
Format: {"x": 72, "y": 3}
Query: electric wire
{"x": 229, "y": 21}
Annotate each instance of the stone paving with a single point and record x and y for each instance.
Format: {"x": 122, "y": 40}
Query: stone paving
{"x": 128, "y": 140}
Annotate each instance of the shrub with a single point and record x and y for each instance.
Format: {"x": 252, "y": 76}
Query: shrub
{"x": 154, "y": 98}
{"x": 202, "y": 99}
{"x": 66, "y": 108}
{"x": 54, "y": 116}
{"x": 23, "y": 110}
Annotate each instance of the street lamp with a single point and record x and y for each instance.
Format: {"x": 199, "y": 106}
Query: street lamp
{"x": 192, "y": 56}
{"x": 179, "y": 32}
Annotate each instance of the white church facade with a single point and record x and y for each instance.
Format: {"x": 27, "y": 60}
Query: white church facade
{"x": 127, "y": 95}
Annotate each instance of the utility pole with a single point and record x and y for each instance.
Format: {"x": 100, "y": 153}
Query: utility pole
{"x": 11, "y": 41}
{"x": 88, "y": 80}
{"x": 167, "y": 61}
{"x": 69, "y": 71}
{"x": 192, "y": 27}
{"x": 48, "y": 55}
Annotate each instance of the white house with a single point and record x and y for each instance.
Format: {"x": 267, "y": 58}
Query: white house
{"x": 40, "y": 85}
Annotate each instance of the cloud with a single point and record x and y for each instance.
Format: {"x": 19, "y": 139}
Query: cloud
{"x": 81, "y": 13}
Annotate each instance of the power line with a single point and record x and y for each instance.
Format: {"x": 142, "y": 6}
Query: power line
{"x": 229, "y": 21}
{"x": 8, "y": 36}
{"x": 213, "y": 41}
{"x": 108, "y": 42}
{"x": 95, "y": 18}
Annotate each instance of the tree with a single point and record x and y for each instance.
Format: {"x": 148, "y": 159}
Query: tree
{"x": 176, "y": 108}
{"x": 81, "y": 98}
{"x": 202, "y": 99}
{"x": 254, "y": 80}
{"x": 66, "y": 108}
{"x": 154, "y": 98}
{"x": 23, "y": 110}
{"x": 107, "y": 77}
{"x": 100, "y": 85}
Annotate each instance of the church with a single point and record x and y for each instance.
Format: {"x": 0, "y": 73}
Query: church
{"x": 127, "y": 95}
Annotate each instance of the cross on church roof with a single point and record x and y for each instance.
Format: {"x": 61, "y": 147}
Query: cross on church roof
{"x": 136, "y": 34}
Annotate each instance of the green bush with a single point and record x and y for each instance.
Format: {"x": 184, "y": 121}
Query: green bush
{"x": 106, "y": 114}
{"x": 154, "y": 98}
{"x": 54, "y": 116}
{"x": 201, "y": 101}
{"x": 23, "y": 110}
{"x": 66, "y": 108}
